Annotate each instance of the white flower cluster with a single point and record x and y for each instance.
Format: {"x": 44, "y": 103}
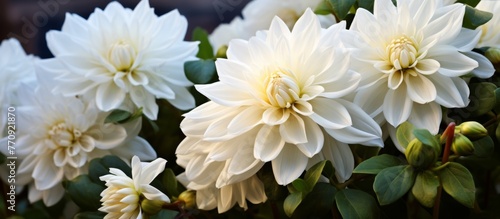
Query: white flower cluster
{"x": 295, "y": 89}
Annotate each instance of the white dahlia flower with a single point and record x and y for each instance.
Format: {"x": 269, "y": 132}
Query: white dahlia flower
{"x": 491, "y": 30}
{"x": 125, "y": 57}
{"x": 278, "y": 99}
{"x": 124, "y": 195}
{"x": 16, "y": 68}
{"x": 411, "y": 58}
{"x": 258, "y": 14}
{"x": 58, "y": 136}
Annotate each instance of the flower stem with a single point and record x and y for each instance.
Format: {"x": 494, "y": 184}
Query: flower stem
{"x": 449, "y": 134}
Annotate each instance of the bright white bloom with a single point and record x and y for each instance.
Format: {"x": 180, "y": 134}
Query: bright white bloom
{"x": 491, "y": 30}
{"x": 58, "y": 136}
{"x": 411, "y": 58}
{"x": 258, "y": 14}
{"x": 16, "y": 68}
{"x": 123, "y": 195}
{"x": 208, "y": 196}
{"x": 125, "y": 57}
{"x": 278, "y": 99}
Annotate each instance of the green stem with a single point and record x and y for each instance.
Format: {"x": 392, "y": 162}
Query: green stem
{"x": 449, "y": 134}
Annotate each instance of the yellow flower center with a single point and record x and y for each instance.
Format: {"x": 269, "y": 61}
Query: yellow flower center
{"x": 402, "y": 53}
{"x": 282, "y": 90}
{"x": 63, "y": 136}
{"x": 122, "y": 55}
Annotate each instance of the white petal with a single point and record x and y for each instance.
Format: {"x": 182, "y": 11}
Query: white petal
{"x": 427, "y": 66}
{"x": 364, "y": 129}
{"x": 268, "y": 143}
{"x": 426, "y": 116}
{"x": 225, "y": 95}
{"x": 397, "y": 106}
{"x": 109, "y": 96}
{"x": 453, "y": 63}
{"x": 315, "y": 139}
{"x": 46, "y": 174}
{"x": 342, "y": 86}
{"x": 135, "y": 146}
{"x": 108, "y": 136}
{"x": 341, "y": 157}
{"x": 485, "y": 68}
{"x": 247, "y": 119}
{"x": 289, "y": 165}
{"x": 420, "y": 88}
{"x": 293, "y": 130}
{"x": 151, "y": 170}
{"x": 142, "y": 98}
{"x": 451, "y": 92}
{"x": 330, "y": 114}
{"x": 371, "y": 98}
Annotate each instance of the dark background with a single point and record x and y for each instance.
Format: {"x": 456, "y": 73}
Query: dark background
{"x": 29, "y": 20}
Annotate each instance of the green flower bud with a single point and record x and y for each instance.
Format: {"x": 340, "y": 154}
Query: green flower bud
{"x": 493, "y": 54}
{"x": 462, "y": 145}
{"x": 421, "y": 156}
{"x": 473, "y": 130}
{"x": 151, "y": 207}
{"x": 189, "y": 198}
{"x": 221, "y": 52}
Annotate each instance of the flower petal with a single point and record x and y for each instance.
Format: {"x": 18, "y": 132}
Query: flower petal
{"x": 330, "y": 114}
{"x": 293, "y": 130}
{"x": 315, "y": 139}
{"x": 268, "y": 143}
{"x": 397, "y": 106}
{"x": 109, "y": 96}
{"x": 420, "y": 89}
{"x": 289, "y": 165}
{"x": 426, "y": 116}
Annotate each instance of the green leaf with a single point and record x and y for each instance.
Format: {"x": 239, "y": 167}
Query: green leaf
{"x": 301, "y": 186}
{"x": 170, "y": 182}
{"x": 404, "y": 134}
{"x": 200, "y": 71}
{"x": 366, "y": 4}
{"x": 497, "y": 101}
{"x": 354, "y": 204}
{"x": 458, "y": 182}
{"x": 205, "y": 48}
{"x": 117, "y": 116}
{"x": 482, "y": 98}
{"x": 392, "y": 183}
{"x": 341, "y": 7}
{"x": 313, "y": 174}
{"x": 318, "y": 203}
{"x": 376, "y": 164}
{"x": 484, "y": 147}
{"x": 165, "y": 214}
{"x": 425, "y": 188}
{"x": 424, "y": 136}
{"x": 324, "y": 8}
{"x": 472, "y": 3}
{"x": 291, "y": 202}
{"x": 84, "y": 192}
{"x": 100, "y": 166}
{"x": 90, "y": 215}
{"x": 474, "y": 18}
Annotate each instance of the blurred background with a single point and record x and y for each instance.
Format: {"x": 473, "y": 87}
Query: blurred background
{"x": 29, "y": 20}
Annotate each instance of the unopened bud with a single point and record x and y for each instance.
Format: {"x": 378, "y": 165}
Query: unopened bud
{"x": 221, "y": 52}
{"x": 493, "y": 54}
{"x": 462, "y": 145}
{"x": 419, "y": 155}
{"x": 151, "y": 207}
{"x": 189, "y": 198}
{"x": 473, "y": 130}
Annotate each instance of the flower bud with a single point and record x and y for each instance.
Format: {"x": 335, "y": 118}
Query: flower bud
{"x": 421, "y": 156}
{"x": 473, "y": 130}
{"x": 189, "y": 198}
{"x": 462, "y": 145}
{"x": 221, "y": 52}
{"x": 493, "y": 54}
{"x": 151, "y": 207}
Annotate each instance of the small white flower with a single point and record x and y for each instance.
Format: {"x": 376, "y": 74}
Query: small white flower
{"x": 123, "y": 196}
{"x": 411, "y": 58}
{"x": 278, "y": 99}
{"x": 16, "y": 68}
{"x": 258, "y": 14}
{"x": 491, "y": 30}
{"x": 58, "y": 136}
{"x": 125, "y": 57}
